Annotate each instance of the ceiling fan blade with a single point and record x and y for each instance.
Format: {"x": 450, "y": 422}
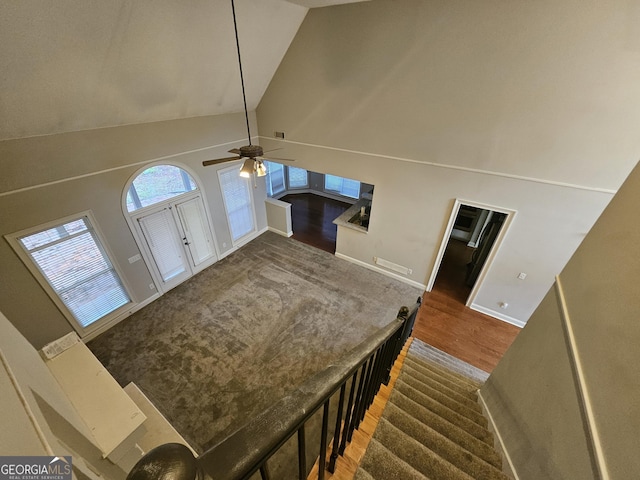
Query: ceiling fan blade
{"x": 278, "y": 159}
{"x": 235, "y": 150}
{"x": 273, "y": 149}
{"x": 206, "y": 163}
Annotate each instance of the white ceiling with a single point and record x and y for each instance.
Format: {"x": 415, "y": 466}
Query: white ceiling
{"x": 84, "y": 64}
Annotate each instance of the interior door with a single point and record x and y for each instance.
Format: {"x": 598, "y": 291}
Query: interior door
{"x": 196, "y": 232}
{"x": 164, "y": 243}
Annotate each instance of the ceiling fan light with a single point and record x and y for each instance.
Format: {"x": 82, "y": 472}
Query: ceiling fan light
{"x": 247, "y": 168}
{"x": 261, "y": 170}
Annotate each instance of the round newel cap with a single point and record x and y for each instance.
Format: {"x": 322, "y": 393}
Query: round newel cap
{"x": 171, "y": 461}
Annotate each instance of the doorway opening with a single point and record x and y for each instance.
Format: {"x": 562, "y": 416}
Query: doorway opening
{"x": 471, "y": 241}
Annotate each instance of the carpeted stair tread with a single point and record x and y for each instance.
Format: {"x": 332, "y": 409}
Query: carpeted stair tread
{"x": 468, "y": 398}
{"x": 441, "y": 445}
{"x": 381, "y": 464}
{"x": 424, "y": 460}
{"x": 362, "y": 474}
{"x": 419, "y": 363}
{"x": 471, "y": 411}
{"x": 435, "y": 376}
{"x": 432, "y": 426}
{"x": 449, "y": 362}
{"x": 445, "y": 412}
{"x": 452, "y": 432}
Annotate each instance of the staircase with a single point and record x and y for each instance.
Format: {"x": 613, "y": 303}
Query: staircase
{"x": 432, "y": 426}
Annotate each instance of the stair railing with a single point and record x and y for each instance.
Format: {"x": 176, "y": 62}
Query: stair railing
{"x": 362, "y": 371}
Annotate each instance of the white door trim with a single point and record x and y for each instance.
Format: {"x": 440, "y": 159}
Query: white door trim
{"x": 492, "y": 254}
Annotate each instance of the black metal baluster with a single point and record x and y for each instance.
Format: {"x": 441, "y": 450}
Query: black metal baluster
{"x": 302, "y": 454}
{"x": 388, "y": 362}
{"x": 354, "y": 414}
{"x": 362, "y": 400}
{"x": 336, "y": 433}
{"x": 377, "y": 376}
{"x": 264, "y": 472}
{"x": 322, "y": 461}
{"x": 368, "y": 389}
{"x": 347, "y": 417}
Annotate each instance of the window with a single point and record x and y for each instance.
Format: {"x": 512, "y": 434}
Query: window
{"x": 298, "y": 177}
{"x": 73, "y": 263}
{"x": 156, "y": 184}
{"x": 274, "y": 178}
{"x": 342, "y": 186}
{"x": 236, "y": 193}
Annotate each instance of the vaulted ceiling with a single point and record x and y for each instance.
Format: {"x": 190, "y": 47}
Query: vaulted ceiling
{"x": 85, "y": 64}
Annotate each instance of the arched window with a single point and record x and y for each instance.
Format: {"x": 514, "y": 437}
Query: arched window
{"x": 157, "y": 184}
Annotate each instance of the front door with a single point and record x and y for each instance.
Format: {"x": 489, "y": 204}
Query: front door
{"x": 178, "y": 240}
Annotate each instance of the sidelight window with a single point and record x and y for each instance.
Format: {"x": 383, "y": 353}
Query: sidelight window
{"x": 236, "y": 193}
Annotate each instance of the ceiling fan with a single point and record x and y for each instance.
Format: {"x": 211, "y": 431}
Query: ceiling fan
{"x": 252, "y": 153}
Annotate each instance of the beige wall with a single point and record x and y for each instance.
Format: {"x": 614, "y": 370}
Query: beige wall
{"x": 526, "y": 106}
{"x": 55, "y": 176}
{"x": 582, "y": 341}
{"x": 38, "y": 418}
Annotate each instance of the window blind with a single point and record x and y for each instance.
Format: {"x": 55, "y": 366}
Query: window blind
{"x": 275, "y": 178}
{"x": 237, "y": 202}
{"x": 162, "y": 237}
{"x": 298, "y": 177}
{"x": 74, "y": 263}
{"x": 342, "y": 186}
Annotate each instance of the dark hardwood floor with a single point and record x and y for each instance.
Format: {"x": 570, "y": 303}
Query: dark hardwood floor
{"x": 447, "y": 324}
{"x": 444, "y": 321}
{"x": 312, "y": 219}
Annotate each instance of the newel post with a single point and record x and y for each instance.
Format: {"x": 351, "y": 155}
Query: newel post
{"x": 171, "y": 461}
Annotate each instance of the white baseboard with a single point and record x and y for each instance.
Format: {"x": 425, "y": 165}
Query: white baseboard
{"x": 375, "y": 268}
{"x": 280, "y": 232}
{"x": 118, "y": 319}
{"x": 496, "y": 432}
{"x": 497, "y": 315}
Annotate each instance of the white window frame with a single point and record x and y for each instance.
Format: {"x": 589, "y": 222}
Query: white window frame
{"x": 18, "y": 247}
{"x": 243, "y": 239}
{"x": 298, "y": 187}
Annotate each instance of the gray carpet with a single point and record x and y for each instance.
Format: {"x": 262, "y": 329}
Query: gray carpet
{"x": 227, "y": 343}
{"x": 432, "y": 426}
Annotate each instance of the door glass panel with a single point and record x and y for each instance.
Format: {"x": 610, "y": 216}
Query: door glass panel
{"x": 164, "y": 242}
{"x": 196, "y": 228}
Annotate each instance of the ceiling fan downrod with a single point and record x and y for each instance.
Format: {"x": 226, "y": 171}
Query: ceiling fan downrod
{"x": 244, "y": 96}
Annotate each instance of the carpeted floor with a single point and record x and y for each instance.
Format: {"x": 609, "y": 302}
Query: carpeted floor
{"x": 225, "y": 344}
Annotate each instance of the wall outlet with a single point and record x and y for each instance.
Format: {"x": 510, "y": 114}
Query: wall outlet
{"x": 152, "y": 286}
{"x": 56, "y": 347}
{"x": 522, "y": 275}
{"x": 503, "y": 305}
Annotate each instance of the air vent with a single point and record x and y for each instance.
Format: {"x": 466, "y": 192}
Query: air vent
{"x": 279, "y": 135}
{"x": 392, "y": 266}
